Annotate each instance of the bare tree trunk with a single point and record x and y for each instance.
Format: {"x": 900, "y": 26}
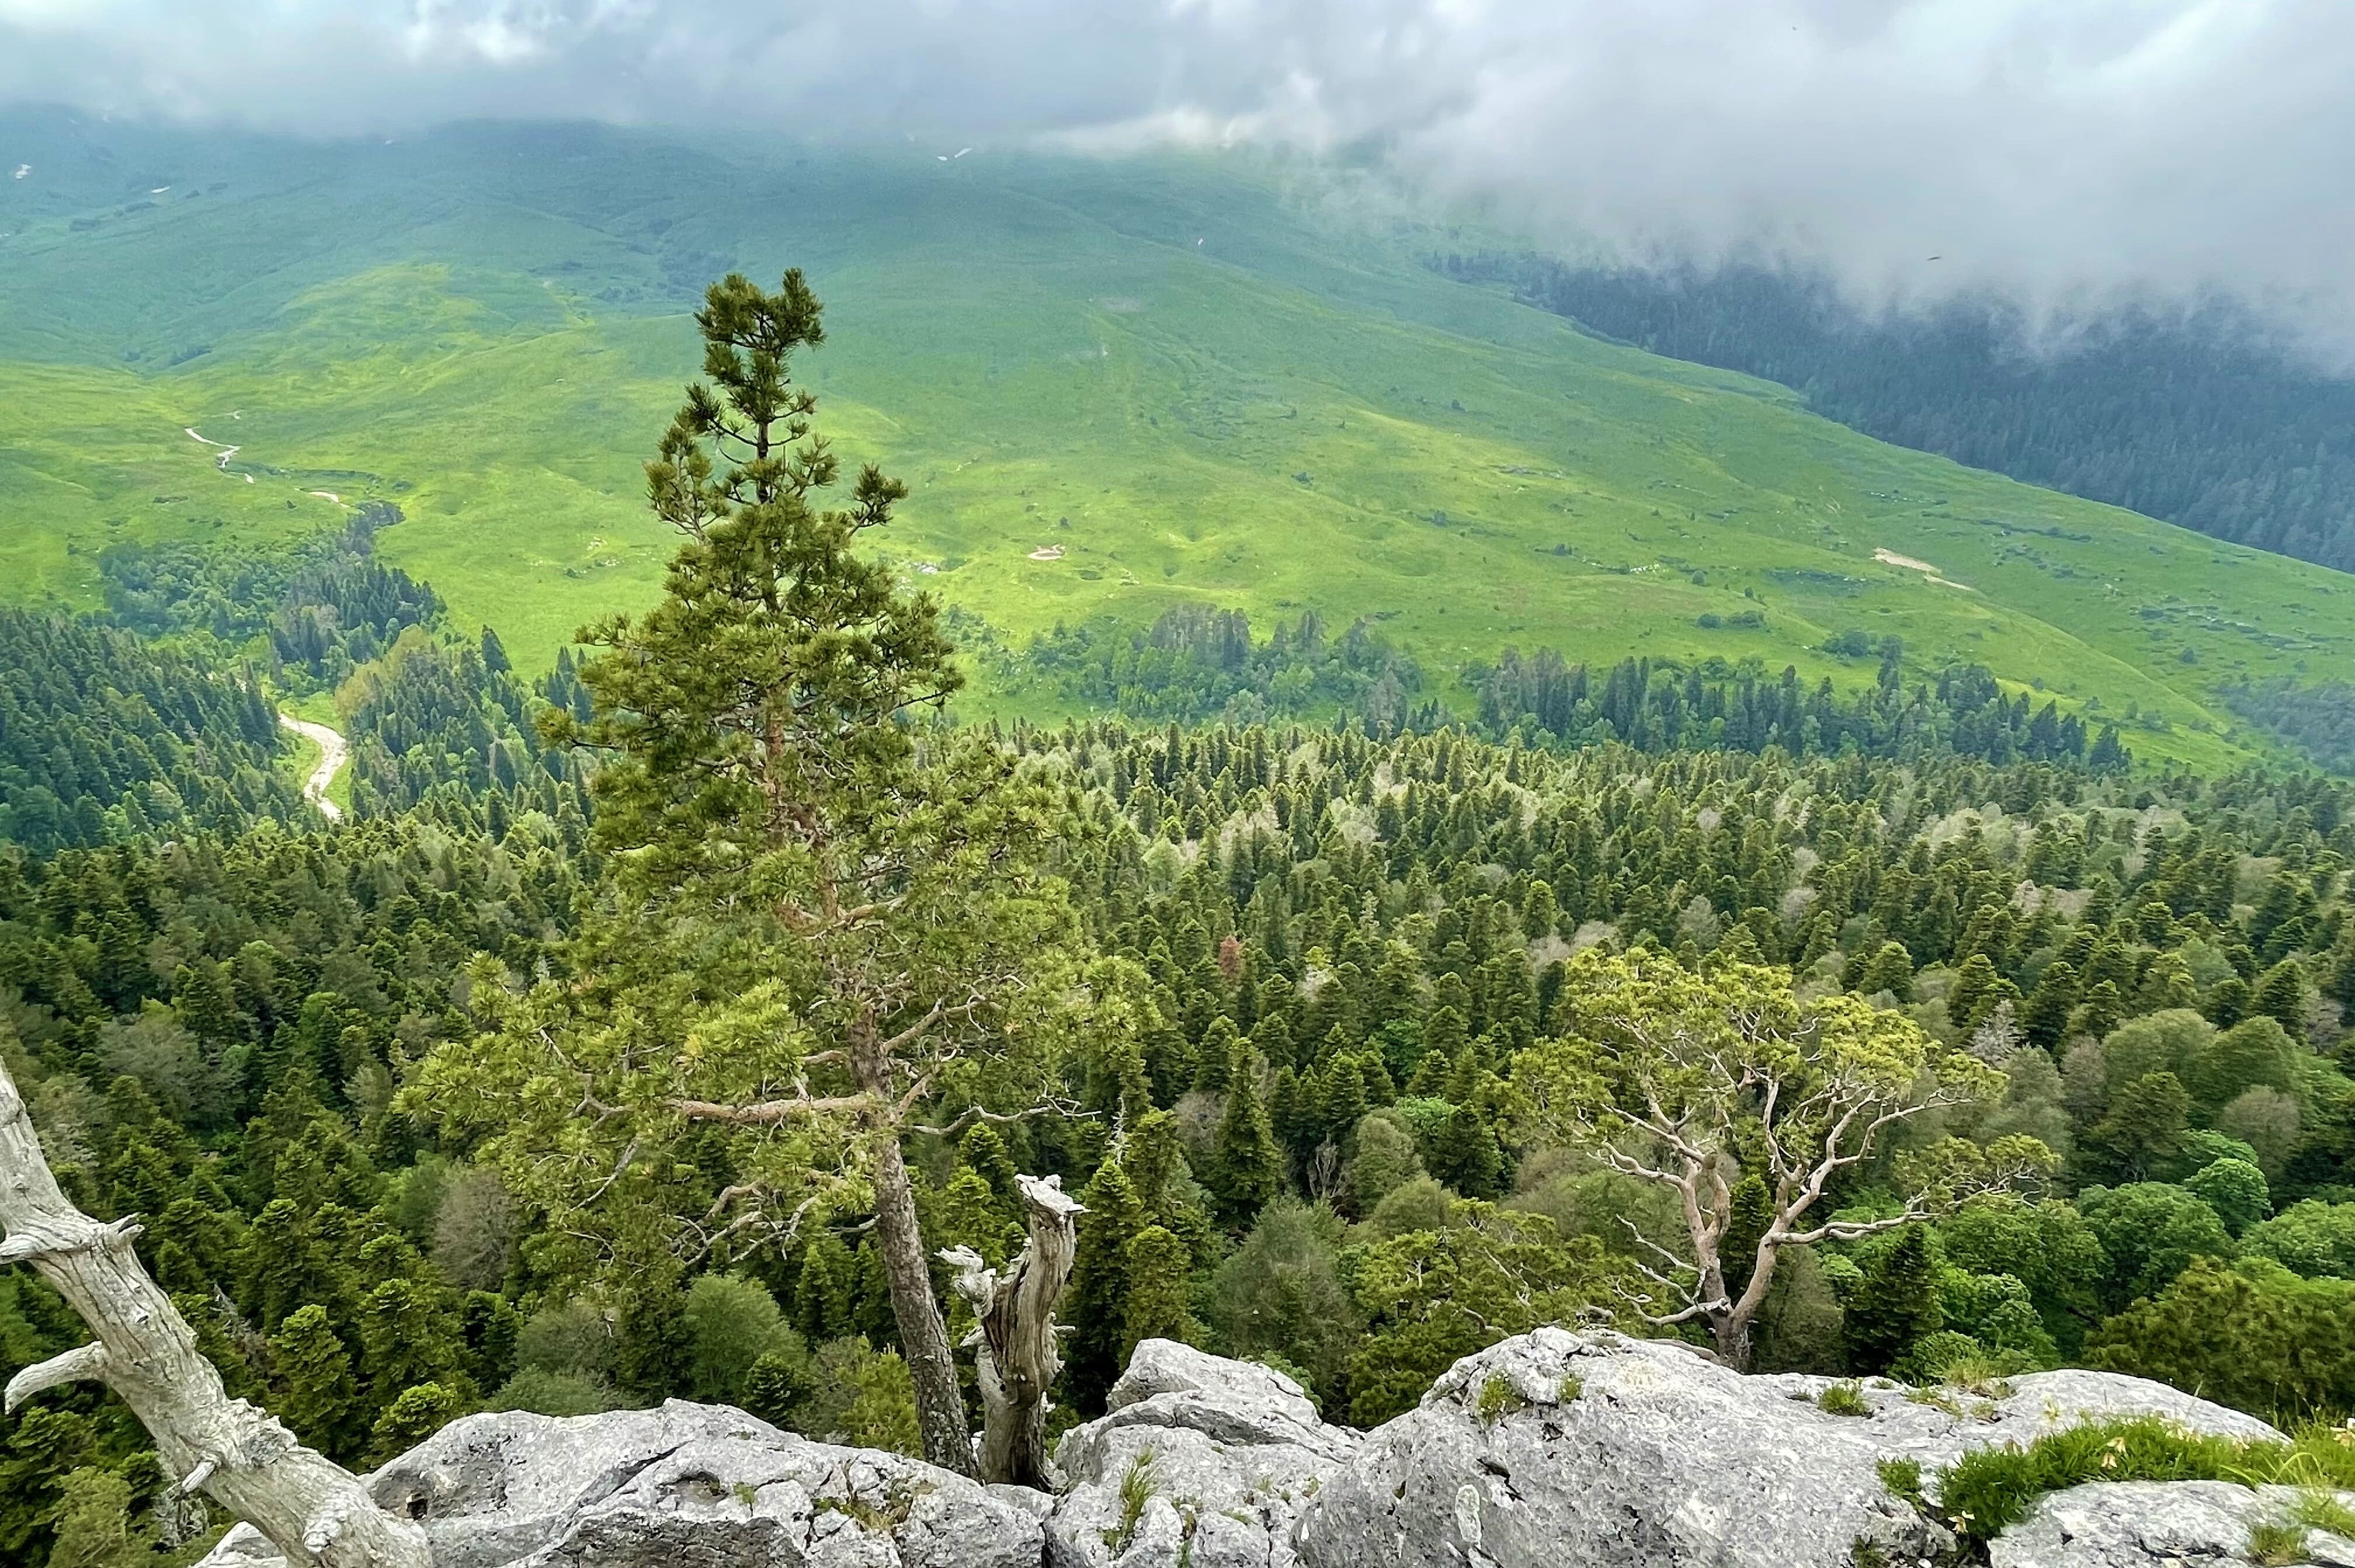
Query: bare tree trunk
{"x": 923, "y": 1337}
{"x": 1014, "y": 1334}
{"x": 312, "y": 1510}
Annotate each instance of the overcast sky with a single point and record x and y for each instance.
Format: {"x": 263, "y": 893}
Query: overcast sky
{"x": 2044, "y": 145}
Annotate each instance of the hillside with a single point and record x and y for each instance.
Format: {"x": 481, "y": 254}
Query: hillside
{"x": 2198, "y": 418}
{"x": 1114, "y": 388}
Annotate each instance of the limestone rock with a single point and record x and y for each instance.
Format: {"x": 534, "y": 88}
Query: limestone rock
{"x": 687, "y": 1486}
{"x": 1593, "y": 1449}
{"x": 1197, "y": 1461}
{"x": 2155, "y": 1524}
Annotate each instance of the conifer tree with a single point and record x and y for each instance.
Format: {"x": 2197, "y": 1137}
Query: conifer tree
{"x": 1890, "y": 969}
{"x": 825, "y": 920}
{"x": 1249, "y": 1165}
{"x": 1894, "y": 1304}
{"x": 2280, "y": 994}
{"x": 321, "y": 1396}
{"x": 1113, "y": 1218}
{"x": 1157, "y": 1267}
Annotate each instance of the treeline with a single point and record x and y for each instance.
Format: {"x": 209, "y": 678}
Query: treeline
{"x": 1713, "y": 705}
{"x": 422, "y": 705}
{"x": 2318, "y": 721}
{"x": 104, "y": 737}
{"x": 2196, "y": 419}
{"x": 1197, "y": 663}
{"x": 309, "y": 613}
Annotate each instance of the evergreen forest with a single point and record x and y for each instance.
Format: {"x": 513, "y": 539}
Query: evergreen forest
{"x": 647, "y": 1028}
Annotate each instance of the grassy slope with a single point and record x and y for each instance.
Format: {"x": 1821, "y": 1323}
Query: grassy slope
{"x": 484, "y": 327}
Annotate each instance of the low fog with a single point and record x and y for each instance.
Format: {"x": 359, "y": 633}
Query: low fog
{"x": 2055, "y": 150}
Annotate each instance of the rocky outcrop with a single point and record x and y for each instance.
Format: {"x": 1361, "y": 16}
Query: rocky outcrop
{"x": 1552, "y": 1449}
{"x": 1593, "y": 1449}
{"x": 2153, "y": 1524}
{"x": 1197, "y": 1462}
{"x": 685, "y": 1485}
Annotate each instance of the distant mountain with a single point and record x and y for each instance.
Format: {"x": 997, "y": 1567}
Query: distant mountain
{"x": 2194, "y": 418}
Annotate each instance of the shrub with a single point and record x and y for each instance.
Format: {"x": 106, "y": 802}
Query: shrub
{"x": 545, "y": 1392}
{"x": 1843, "y": 1399}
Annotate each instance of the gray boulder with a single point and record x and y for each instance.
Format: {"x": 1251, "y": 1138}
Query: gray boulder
{"x": 687, "y": 1486}
{"x": 1197, "y": 1461}
{"x": 1593, "y": 1449}
{"x": 2155, "y": 1524}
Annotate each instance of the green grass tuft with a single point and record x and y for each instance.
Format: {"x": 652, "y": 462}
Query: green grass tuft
{"x": 1137, "y": 1488}
{"x": 1498, "y": 1399}
{"x": 2322, "y": 1510}
{"x": 2276, "y": 1545}
{"x": 1843, "y": 1399}
{"x": 1989, "y": 1491}
{"x": 1902, "y": 1477}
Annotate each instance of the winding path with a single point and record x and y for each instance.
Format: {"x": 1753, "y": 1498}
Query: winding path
{"x": 332, "y": 751}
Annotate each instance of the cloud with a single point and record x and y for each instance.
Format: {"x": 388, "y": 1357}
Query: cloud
{"x": 2043, "y": 148}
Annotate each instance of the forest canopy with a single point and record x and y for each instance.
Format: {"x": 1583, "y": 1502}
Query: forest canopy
{"x": 650, "y": 1030}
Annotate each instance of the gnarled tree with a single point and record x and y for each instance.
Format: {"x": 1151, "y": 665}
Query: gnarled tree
{"x": 312, "y": 1510}
{"x": 821, "y": 922}
{"x": 1014, "y": 1332}
{"x": 1691, "y": 1080}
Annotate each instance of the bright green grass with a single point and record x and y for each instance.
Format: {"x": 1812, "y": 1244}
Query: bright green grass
{"x": 1291, "y": 415}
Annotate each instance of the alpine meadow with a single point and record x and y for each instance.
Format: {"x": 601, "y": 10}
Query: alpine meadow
{"x": 1182, "y": 382}
{"x": 1138, "y": 850}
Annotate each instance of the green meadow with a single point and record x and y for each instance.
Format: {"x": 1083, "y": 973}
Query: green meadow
{"x": 1111, "y": 387}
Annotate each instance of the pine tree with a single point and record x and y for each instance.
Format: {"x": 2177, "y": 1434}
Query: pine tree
{"x": 2045, "y": 1017}
{"x": 1464, "y": 1154}
{"x": 318, "y": 1396}
{"x": 847, "y": 889}
{"x": 1890, "y": 969}
{"x": 1894, "y": 1304}
{"x": 2280, "y": 994}
{"x": 1248, "y": 1164}
{"x": 1096, "y": 1304}
{"x": 93, "y": 1526}
{"x": 417, "y": 1414}
{"x": 1155, "y": 1309}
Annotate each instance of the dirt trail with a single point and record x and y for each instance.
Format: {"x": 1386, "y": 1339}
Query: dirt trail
{"x": 332, "y": 751}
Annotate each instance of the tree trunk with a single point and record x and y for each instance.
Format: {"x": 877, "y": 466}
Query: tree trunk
{"x": 1014, "y": 1333}
{"x": 312, "y": 1510}
{"x": 923, "y": 1337}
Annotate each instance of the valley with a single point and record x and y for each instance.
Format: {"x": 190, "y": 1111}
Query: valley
{"x": 1112, "y": 389}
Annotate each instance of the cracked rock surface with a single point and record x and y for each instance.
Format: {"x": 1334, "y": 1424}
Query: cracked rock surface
{"x": 1552, "y": 1449}
{"x": 1197, "y": 1461}
{"x": 685, "y": 1486}
{"x": 2156, "y": 1524}
{"x": 1560, "y": 1447}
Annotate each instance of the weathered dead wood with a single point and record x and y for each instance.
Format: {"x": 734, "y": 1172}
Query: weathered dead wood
{"x": 1014, "y": 1333}
{"x": 312, "y": 1510}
